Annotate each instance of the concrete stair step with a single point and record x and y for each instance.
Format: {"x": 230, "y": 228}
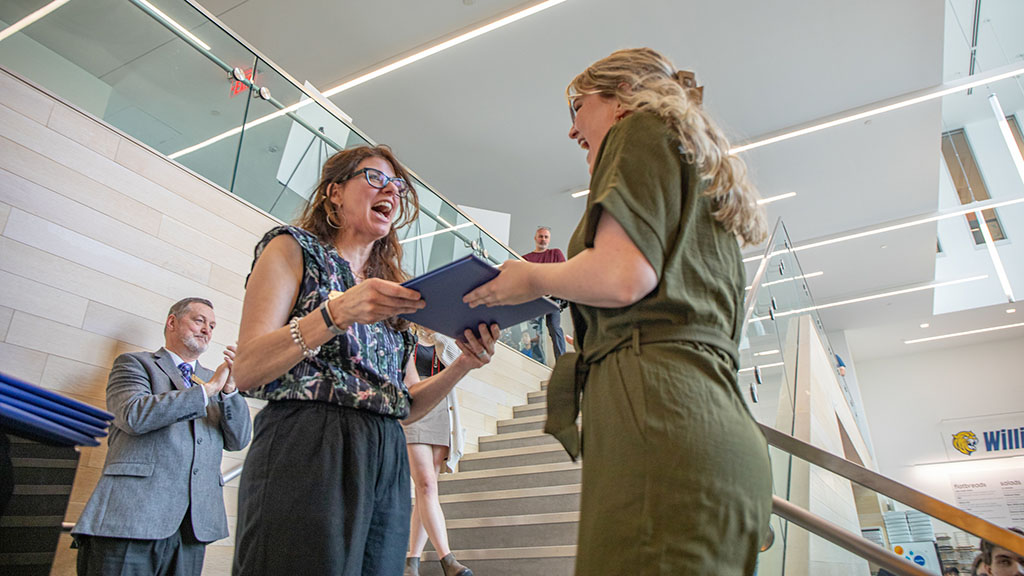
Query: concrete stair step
{"x": 522, "y": 456}
{"x": 547, "y": 529}
{"x": 548, "y": 560}
{"x": 515, "y": 440}
{"x": 537, "y": 397}
{"x": 518, "y": 501}
{"x": 528, "y": 410}
{"x": 522, "y": 424}
{"x": 509, "y": 478}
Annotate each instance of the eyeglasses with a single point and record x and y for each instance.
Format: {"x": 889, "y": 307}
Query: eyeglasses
{"x": 572, "y": 106}
{"x": 574, "y": 98}
{"x": 379, "y": 180}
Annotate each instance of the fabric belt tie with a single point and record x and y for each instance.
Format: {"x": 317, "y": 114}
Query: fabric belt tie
{"x": 569, "y": 378}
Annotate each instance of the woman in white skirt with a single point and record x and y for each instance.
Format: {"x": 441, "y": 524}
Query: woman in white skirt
{"x": 434, "y": 441}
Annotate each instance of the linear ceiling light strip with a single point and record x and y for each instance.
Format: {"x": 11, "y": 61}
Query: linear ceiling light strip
{"x": 442, "y": 46}
{"x": 171, "y": 21}
{"x": 771, "y": 199}
{"x": 1004, "y": 129}
{"x": 20, "y": 24}
{"x": 874, "y": 296}
{"x": 891, "y": 227}
{"x": 967, "y": 333}
{"x": 904, "y": 101}
{"x": 763, "y": 366}
{"x": 793, "y": 279}
{"x": 435, "y": 233}
{"x": 997, "y": 262}
{"x": 378, "y": 72}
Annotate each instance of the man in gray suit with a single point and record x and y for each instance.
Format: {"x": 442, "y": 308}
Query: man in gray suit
{"x": 160, "y": 499}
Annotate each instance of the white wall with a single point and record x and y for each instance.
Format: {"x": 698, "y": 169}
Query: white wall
{"x": 821, "y": 408}
{"x": 497, "y": 223}
{"x": 906, "y": 397}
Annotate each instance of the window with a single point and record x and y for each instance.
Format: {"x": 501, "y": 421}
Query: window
{"x": 1015, "y": 129}
{"x": 970, "y": 187}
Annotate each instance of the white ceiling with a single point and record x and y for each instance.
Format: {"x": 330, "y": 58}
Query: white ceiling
{"x": 485, "y": 123}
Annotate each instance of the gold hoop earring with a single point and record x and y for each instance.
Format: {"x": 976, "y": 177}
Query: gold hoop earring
{"x": 328, "y": 208}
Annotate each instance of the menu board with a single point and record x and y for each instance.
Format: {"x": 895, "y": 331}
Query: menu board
{"x": 993, "y": 495}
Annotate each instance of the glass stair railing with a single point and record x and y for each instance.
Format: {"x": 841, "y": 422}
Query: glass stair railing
{"x": 170, "y": 75}
{"x": 831, "y": 512}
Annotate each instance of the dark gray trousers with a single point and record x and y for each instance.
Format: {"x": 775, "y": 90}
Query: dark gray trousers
{"x": 324, "y": 488}
{"x": 178, "y": 555}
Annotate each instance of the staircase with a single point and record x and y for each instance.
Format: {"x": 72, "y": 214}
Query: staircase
{"x": 513, "y": 507}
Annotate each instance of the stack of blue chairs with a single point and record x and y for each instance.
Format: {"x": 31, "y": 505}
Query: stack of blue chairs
{"x": 38, "y": 414}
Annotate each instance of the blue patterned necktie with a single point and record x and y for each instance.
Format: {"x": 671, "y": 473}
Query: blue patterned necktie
{"x": 186, "y": 373}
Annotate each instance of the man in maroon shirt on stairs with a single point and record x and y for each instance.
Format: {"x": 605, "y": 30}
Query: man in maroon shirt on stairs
{"x": 542, "y": 255}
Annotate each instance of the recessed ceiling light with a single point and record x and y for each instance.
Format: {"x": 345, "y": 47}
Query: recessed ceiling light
{"x": 925, "y": 325}
{"x": 1011, "y": 310}
{"x": 967, "y": 333}
{"x": 771, "y": 199}
{"x": 580, "y": 193}
{"x": 31, "y": 18}
{"x": 766, "y": 353}
{"x": 884, "y": 246}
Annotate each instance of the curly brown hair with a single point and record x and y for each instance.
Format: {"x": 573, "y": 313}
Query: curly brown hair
{"x": 321, "y": 218}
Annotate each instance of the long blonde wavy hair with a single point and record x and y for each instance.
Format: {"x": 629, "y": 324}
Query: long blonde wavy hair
{"x": 642, "y": 79}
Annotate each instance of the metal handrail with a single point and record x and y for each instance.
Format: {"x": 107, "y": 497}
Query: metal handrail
{"x": 845, "y": 539}
{"x": 900, "y": 492}
{"x": 233, "y": 473}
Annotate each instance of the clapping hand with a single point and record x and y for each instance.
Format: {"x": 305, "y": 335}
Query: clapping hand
{"x": 223, "y": 380}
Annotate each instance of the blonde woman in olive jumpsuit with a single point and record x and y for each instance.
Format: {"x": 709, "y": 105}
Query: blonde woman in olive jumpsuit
{"x": 676, "y": 478}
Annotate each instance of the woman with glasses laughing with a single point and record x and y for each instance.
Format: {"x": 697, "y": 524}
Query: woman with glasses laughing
{"x": 326, "y": 480}
{"x": 676, "y": 478}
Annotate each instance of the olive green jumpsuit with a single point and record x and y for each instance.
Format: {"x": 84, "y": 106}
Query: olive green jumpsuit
{"x": 676, "y": 478}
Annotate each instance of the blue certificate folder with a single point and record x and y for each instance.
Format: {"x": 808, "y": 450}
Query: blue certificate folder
{"x": 39, "y": 414}
{"x": 446, "y": 313}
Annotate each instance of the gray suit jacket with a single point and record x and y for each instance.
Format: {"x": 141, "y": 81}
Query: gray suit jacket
{"x": 164, "y": 453}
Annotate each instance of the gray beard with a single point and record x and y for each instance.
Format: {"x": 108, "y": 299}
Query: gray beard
{"x": 194, "y": 345}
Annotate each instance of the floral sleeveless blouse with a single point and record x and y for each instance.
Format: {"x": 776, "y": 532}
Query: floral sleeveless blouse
{"x": 363, "y": 368}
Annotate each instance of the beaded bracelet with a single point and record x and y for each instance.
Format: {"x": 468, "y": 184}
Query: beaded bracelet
{"x": 307, "y": 352}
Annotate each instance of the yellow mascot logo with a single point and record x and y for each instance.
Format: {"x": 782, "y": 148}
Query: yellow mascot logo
{"x": 965, "y": 442}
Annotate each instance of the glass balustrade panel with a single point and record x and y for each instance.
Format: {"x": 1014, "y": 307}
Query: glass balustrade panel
{"x": 129, "y": 66}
